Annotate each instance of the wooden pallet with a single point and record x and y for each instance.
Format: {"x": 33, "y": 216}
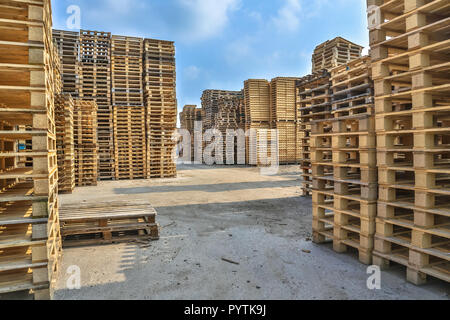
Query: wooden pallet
{"x": 344, "y": 163}
{"x": 85, "y": 140}
{"x": 64, "y": 107}
{"x": 130, "y": 142}
{"x": 410, "y": 71}
{"x": 126, "y": 71}
{"x": 67, "y": 43}
{"x": 161, "y": 104}
{"x": 257, "y": 100}
{"x": 95, "y": 85}
{"x": 30, "y": 241}
{"x": 106, "y": 223}
{"x": 313, "y": 100}
{"x": 334, "y": 53}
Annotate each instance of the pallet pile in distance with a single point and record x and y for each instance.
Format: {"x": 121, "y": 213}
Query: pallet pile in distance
{"x": 161, "y": 107}
{"x": 30, "y": 241}
{"x": 188, "y": 117}
{"x": 283, "y": 118}
{"x": 130, "y": 149}
{"x": 85, "y": 141}
{"x": 64, "y": 107}
{"x": 257, "y": 122}
{"x": 334, "y": 53}
{"x": 95, "y": 85}
{"x": 228, "y": 121}
{"x": 410, "y": 46}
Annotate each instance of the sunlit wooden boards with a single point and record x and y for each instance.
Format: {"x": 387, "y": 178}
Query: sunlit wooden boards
{"x": 130, "y": 142}
{"x": 344, "y": 163}
{"x": 30, "y": 241}
{"x": 161, "y": 107}
{"x": 64, "y": 107}
{"x": 105, "y": 223}
{"x": 67, "y": 44}
{"x": 410, "y": 46}
{"x": 85, "y": 142}
{"x": 283, "y": 118}
{"x": 95, "y": 85}
{"x": 334, "y": 53}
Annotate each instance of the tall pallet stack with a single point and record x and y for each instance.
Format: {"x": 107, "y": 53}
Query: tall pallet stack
{"x": 130, "y": 149}
{"x": 344, "y": 163}
{"x": 283, "y": 118}
{"x": 67, "y": 43}
{"x": 334, "y": 53}
{"x": 30, "y": 240}
{"x": 64, "y": 107}
{"x": 161, "y": 107}
{"x": 228, "y": 122}
{"x": 85, "y": 140}
{"x": 257, "y": 122}
{"x": 410, "y": 46}
{"x": 95, "y": 85}
{"x": 313, "y": 100}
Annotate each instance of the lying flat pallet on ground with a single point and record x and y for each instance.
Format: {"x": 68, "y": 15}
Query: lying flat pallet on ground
{"x": 410, "y": 48}
{"x": 106, "y": 223}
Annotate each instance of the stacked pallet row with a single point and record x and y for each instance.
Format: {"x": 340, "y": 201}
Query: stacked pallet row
{"x": 161, "y": 106}
{"x": 334, "y": 53}
{"x": 229, "y": 122}
{"x": 95, "y": 85}
{"x": 344, "y": 163}
{"x": 67, "y": 45}
{"x": 85, "y": 140}
{"x": 129, "y": 142}
{"x": 410, "y": 47}
{"x": 130, "y": 149}
{"x": 283, "y": 118}
{"x": 313, "y": 102}
{"x": 30, "y": 240}
{"x": 64, "y": 107}
{"x": 257, "y": 123}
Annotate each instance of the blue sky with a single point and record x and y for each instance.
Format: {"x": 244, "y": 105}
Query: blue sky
{"x": 221, "y": 43}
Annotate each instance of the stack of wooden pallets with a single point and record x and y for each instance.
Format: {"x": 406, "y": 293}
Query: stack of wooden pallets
{"x": 257, "y": 123}
{"x": 95, "y": 85}
{"x": 30, "y": 241}
{"x": 161, "y": 107}
{"x": 344, "y": 163}
{"x": 105, "y": 223}
{"x": 85, "y": 140}
{"x": 129, "y": 142}
{"x": 334, "y": 53}
{"x": 210, "y": 105}
{"x": 188, "y": 117}
{"x": 410, "y": 47}
{"x": 64, "y": 107}
{"x": 283, "y": 118}
{"x": 313, "y": 100}
{"x": 130, "y": 149}
{"x": 229, "y": 123}
{"x": 67, "y": 43}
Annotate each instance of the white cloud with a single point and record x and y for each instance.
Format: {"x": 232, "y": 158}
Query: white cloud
{"x": 209, "y": 17}
{"x": 192, "y": 72}
{"x": 288, "y": 17}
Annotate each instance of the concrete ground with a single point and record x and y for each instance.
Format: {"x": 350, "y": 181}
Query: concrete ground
{"x": 211, "y": 213}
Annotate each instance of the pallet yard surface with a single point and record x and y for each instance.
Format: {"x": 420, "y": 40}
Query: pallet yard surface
{"x": 410, "y": 49}
{"x": 105, "y": 223}
{"x": 30, "y": 241}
